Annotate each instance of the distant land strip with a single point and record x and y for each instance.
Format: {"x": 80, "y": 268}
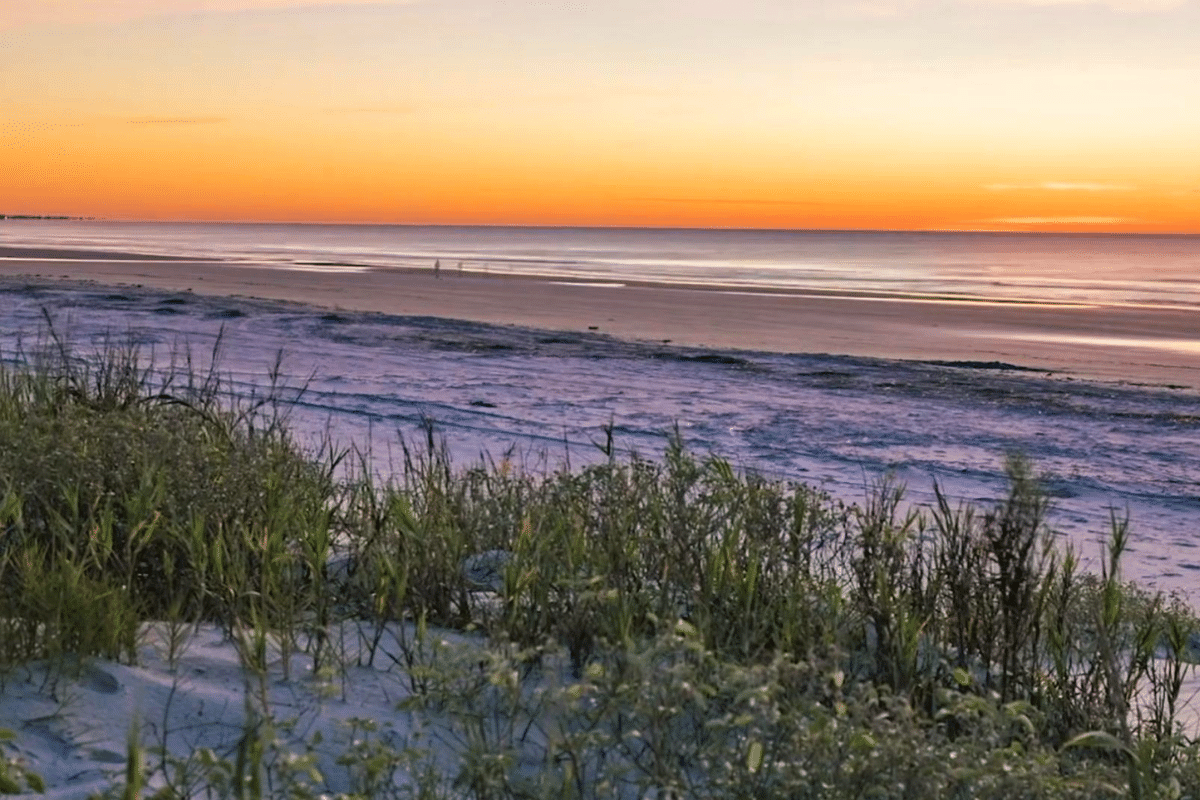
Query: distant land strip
{"x": 41, "y": 216}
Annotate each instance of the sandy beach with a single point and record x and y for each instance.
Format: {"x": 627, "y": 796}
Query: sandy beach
{"x": 1129, "y": 344}
{"x": 833, "y": 422}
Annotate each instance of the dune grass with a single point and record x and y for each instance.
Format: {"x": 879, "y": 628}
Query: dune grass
{"x": 725, "y": 635}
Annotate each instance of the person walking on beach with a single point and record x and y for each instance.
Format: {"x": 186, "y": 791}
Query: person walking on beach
{"x": 437, "y": 268}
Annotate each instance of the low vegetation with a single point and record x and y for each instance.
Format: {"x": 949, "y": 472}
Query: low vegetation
{"x": 722, "y": 634}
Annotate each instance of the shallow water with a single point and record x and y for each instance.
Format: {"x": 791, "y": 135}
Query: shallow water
{"x": 1156, "y": 270}
{"x": 838, "y": 422}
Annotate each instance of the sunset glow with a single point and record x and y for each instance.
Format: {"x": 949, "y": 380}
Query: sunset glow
{"x": 904, "y": 114}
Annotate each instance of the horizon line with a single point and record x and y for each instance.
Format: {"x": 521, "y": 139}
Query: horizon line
{"x": 549, "y": 226}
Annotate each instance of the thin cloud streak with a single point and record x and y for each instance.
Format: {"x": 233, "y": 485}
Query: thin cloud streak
{"x": 85, "y": 11}
{"x": 1059, "y": 186}
{"x": 1061, "y": 220}
{"x": 888, "y": 8}
{"x": 897, "y": 7}
{"x": 892, "y": 9}
{"x": 177, "y": 121}
{"x": 372, "y": 110}
{"x": 1127, "y": 6}
{"x": 729, "y": 202}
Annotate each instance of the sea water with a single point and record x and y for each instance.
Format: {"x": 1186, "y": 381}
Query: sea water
{"x": 1159, "y": 270}
{"x": 841, "y": 423}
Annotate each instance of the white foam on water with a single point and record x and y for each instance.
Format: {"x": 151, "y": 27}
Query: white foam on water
{"x": 1189, "y": 346}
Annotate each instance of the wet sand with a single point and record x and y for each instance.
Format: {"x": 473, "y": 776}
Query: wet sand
{"x": 1139, "y": 345}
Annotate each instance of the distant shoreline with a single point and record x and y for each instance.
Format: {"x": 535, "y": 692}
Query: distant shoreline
{"x": 58, "y": 217}
{"x": 1130, "y": 344}
{"x": 1080, "y": 232}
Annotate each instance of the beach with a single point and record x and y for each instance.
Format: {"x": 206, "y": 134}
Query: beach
{"x": 1122, "y": 344}
{"x": 840, "y": 391}
{"x": 834, "y": 390}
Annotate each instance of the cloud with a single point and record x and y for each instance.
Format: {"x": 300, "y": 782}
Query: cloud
{"x": 884, "y": 9}
{"x": 1128, "y": 6}
{"x": 1059, "y": 186}
{"x": 74, "y": 11}
{"x": 18, "y": 12}
{"x": 728, "y": 201}
{"x": 384, "y": 110}
{"x": 888, "y": 8}
{"x": 1061, "y": 220}
{"x": 1066, "y": 186}
{"x": 176, "y": 121}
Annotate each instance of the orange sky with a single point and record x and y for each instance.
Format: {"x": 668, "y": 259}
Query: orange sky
{"x": 904, "y": 114}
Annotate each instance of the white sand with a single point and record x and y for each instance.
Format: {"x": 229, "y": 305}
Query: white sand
{"x": 74, "y": 729}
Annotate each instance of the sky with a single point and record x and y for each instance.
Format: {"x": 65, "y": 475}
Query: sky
{"x": 828, "y": 114}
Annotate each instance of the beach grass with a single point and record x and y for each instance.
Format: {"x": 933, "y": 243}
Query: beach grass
{"x": 670, "y": 626}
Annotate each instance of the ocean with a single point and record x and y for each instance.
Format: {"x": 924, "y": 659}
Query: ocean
{"x": 839, "y": 422}
{"x": 1155, "y": 270}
